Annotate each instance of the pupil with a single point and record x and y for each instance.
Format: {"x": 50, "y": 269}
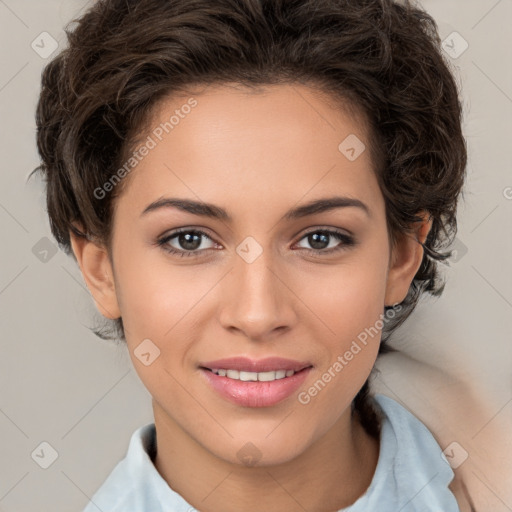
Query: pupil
{"x": 186, "y": 243}
{"x": 192, "y": 241}
{"x": 314, "y": 240}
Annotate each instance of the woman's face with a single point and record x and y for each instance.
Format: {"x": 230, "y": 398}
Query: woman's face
{"x": 268, "y": 278}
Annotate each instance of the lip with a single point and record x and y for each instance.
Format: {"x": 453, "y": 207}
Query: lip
{"x": 246, "y": 364}
{"x": 252, "y": 393}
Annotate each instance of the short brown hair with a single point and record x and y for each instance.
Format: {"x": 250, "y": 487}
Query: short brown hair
{"x": 383, "y": 57}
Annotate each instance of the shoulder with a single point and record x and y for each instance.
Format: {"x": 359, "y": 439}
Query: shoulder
{"x": 117, "y": 490}
{"x": 411, "y": 435}
{"x": 412, "y": 472}
{"x": 460, "y": 491}
{"x": 134, "y": 483}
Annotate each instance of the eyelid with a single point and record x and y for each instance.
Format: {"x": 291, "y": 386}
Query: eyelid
{"x": 344, "y": 237}
{"x": 169, "y": 235}
{"x": 205, "y": 231}
{"x": 314, "y": 229}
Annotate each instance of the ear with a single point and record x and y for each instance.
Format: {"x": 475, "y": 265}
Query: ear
{"x": 96, "y": 269}
{"x": 405, "y": 261}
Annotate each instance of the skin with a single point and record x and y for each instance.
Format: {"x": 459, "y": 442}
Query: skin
{"x": 257, "y": 155}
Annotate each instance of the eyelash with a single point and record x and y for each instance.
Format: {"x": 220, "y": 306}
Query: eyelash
{"x": 347, "y": 240}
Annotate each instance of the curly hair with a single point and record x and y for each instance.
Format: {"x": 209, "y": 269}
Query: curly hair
{"x": 380, "y": 57}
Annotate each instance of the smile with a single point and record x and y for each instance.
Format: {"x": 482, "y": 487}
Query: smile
{"x": 253, "y": 376}
{"x": 254, "y": 389}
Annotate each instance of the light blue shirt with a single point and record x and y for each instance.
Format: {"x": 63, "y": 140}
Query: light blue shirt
{"x": 412, "y": 473}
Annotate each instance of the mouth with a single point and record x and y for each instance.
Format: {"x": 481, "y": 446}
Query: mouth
{"x": 254, "y": 389}
{"x": 249, "y": 365}
{"x": 247, "y": 376}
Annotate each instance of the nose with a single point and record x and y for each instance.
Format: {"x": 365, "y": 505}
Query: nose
{"x": 257, "y": 300}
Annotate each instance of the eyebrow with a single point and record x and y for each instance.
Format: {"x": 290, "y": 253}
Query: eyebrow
{"x": 216, "y": 212}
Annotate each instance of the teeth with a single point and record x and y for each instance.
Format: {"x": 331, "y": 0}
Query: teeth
{"x": 253, "y": 376}
{"x": 233, "y": 374}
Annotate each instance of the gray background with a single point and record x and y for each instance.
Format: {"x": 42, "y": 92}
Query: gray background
{"x": 61, "y": 385}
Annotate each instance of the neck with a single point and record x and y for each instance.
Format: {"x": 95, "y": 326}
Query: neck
{"x": 332, "y": 473}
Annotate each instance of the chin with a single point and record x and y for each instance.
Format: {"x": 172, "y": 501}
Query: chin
{"x": 259, "y": 452}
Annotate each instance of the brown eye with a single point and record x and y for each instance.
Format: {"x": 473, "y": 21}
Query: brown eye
{"x": 187, "y": 242}
{"x": 324, "y": 241}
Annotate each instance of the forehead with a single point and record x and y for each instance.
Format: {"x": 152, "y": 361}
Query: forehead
{"x": 281, "y": 141}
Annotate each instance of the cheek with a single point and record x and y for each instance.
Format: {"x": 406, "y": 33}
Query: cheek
{"x": 161, "y": 305}
{"x": 348, "y": 297}
{"x": 160, "y": 298}
{"x": 350, "y": 303}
